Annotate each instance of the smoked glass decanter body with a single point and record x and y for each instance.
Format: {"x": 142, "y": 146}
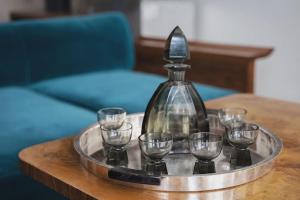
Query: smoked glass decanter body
{"x": 175, "y": 107}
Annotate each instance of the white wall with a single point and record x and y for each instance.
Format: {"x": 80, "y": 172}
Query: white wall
{"x": 273, "y": 23}
{"x": 260, "y": 22}
{"x": 6, "y": 6}
{"x": 159, "y": 17}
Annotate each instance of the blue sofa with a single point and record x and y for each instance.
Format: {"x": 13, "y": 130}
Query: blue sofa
{"x": 54, "y": 75}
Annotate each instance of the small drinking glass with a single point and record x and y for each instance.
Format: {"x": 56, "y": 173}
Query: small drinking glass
{"x": 111, "y": 118}
{"x": 231, "y": 117}
{"x": 228, "y": 115}
{"x": 243, "y": 136}
{"x": 155, "y": 147}
{"x": 205, "y": 146}
{"x": 117, "y": 138}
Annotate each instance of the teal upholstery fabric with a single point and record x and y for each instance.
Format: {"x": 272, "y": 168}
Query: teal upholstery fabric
{"x": 29, "y": 118}
{"x": 128, "y": 89}
{"x": 41, "y": 49}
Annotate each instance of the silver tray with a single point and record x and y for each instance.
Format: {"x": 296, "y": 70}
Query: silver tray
{"x": 89, "y": 146}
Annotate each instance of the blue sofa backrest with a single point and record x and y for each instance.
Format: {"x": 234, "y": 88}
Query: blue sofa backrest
{"x": 40, "y": 49}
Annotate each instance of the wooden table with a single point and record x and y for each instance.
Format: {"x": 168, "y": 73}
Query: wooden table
{"x": 56, "y": 164}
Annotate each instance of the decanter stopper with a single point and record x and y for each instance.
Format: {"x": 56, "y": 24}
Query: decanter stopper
{"x": 176, "y": 49}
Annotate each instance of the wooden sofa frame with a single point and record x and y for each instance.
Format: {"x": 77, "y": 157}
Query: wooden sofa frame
{"x": 227, "y": 66}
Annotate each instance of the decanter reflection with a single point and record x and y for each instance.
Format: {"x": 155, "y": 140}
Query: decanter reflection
{"x": 175, "y": 107}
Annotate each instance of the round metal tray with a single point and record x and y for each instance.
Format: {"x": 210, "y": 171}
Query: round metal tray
{"x": 180, "y": 167}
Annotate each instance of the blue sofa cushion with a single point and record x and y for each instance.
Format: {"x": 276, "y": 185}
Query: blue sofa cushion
{"x": 40, "y": 49}
{"x": 29, "y": 118}
{"x": 128, "y": 89}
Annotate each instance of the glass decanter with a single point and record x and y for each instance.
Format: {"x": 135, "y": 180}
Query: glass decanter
{"x": 176, "y": 107}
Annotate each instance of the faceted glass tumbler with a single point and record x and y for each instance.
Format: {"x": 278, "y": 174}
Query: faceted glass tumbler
{"x": 155, "y": 147}
{"x": 205, "y": 146}
{"x": 111, "y": 118}
{"x": 117, "y": 138}
{"x": 232, "y": 115}
{"x": 243, "y": 136}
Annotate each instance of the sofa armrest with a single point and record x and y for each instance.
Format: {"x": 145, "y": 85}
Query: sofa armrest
{"x": 227, "y": 66}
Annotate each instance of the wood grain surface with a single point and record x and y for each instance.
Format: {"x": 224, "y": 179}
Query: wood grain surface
{"x": 57, "y": 165}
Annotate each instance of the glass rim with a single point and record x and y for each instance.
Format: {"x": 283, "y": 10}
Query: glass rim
{"x": 120, "y": 129}
{"x": 226, "y": 109}
{"x": 250, "y": 127}
{"x": 111, "y": 108}
{"x": 169, "y": 138}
